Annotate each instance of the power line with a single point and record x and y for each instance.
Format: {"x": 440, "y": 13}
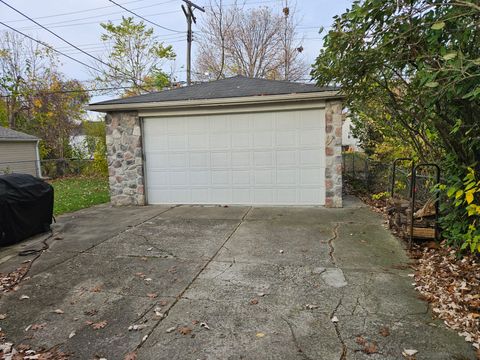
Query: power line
{"x": 66, "y": 41}
{"x": 143, "y": 18}
{"x": 65, "y": 23}
{"x": 49, "y": 47}
{"x": 81, "y": 11}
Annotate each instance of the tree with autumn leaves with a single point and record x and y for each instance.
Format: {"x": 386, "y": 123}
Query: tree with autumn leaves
{"x": 36, "y": 97}
{"x": 410, "y": 71}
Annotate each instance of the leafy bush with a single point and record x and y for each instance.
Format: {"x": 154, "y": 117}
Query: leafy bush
{"x": 461, "y": 222}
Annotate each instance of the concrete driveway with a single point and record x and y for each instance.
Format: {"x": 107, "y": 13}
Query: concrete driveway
{"x": 224, "y": 283}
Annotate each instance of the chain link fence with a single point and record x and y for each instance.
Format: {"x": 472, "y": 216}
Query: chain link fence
{"x": 49, "y": 168}
{"x": 373, "y": 177}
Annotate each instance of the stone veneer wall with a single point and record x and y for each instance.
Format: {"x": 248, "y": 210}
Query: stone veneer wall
{"x": 124, "y": 156}
{"x": 333, "y": 152}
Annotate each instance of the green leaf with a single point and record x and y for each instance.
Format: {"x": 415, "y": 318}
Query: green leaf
{"x": 451, "y": 191}
{"x": 458, "y": 194}
{"x": 432, "y": 84}
{"x": 438, "y": 25}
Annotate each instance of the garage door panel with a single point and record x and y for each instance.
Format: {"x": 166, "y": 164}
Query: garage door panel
{"x": 287, "y": 176}
{"x": 312, "y": 176}
{"x": 201, "y": 178}
{"x": 220, "y": 159}
{"x": 312, "y": 137}
{"x": 220, "y": 141}
{"x": 176, "y": 126}
{"x": 199, "y": 159}
{"x": 286, "y": 158}
{"x": 312, "y": 157}
{"x": 241, "y": 177}
{"x": 264, "y": 158}
{"x": 286, "y": 138}
{"x": 262, "y": 139}
{"x": 240, "y": 159}
{"x": 264, "y": 177}
{"x": 221, "y": 177}
{"x": 242, "y": 140}
{"x": 198, "y": 141}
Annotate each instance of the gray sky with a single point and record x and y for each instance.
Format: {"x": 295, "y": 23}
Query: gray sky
{"x": 78, "y": 22}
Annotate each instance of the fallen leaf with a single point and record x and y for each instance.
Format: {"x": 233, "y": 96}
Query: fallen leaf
{"x": 334, "y": 319}
{"x": 99, "y": 325}
{"x": 58, "y": 311}
{"x": 38, "y": 326}
{"x": 131, "y": 356}
{"x": 28, "y": 327}
{"x": 409, "y": 352}
{"x": 24, "y": 297}
{"x": 91, "y": 312}
{"x": 281, "y": 251}
{"x": 370, "y": 348}
{"x": 254, "y": 302}
{"x": 260, "y": 335}
{"x": 384, "y": 331}
{"x": 158, "y": 312}
{"x": 261, "y": 294}
{"x": 171, "y": 329}
{"x": 204, "y": 325}
{"x": 136, "y": 327}
{"x": 148, "y": 279}
{"x": 311, "y": 307}
{"x": 3, "y": 316}
{"x": 72, "y": 334}
{"x": 184, "y": 330}
{"x": 150, "y": 249}
{"x": 360, "y": 340}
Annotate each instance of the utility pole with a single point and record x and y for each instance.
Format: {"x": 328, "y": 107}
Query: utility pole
{"x": 188, "y": 11}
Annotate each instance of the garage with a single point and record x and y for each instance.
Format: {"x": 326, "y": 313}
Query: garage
{"x": 236, "y": 141}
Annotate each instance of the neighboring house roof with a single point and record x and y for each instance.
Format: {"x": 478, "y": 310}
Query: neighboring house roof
{"x": 234, "y": 87}
{"x": 12, "y": 135}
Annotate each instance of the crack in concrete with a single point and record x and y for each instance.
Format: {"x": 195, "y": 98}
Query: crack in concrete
{"x": 228, "y": 267}
{"x": 168, "y": 255}
{"x": 343, "y": 354}
{"x": 295, "y": 340}
{"x": 330, "y": 241}
{"x": 76, "y": 254}
{"x": 180, "y": 296}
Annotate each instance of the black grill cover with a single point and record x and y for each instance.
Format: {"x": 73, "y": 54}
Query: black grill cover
{"x": 26, "y": 207}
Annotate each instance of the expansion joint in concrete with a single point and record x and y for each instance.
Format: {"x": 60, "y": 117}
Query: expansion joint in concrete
{"x": 181, "y": 295}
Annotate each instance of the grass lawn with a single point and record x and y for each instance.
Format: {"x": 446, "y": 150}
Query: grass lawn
{"x": 76, "y": 193}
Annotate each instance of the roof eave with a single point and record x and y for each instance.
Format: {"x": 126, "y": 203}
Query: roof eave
{"x": 247, "y": 100}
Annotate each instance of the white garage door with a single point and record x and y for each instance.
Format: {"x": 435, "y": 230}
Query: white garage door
{"x": 270, "y": 158}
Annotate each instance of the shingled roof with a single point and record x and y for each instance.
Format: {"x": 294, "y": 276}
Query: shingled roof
{"x": 238, "y": 86}
{"x": 12, "y": 135}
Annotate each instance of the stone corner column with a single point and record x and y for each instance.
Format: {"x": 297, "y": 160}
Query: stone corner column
{"x": 333, "y": 152}
{"x": 125, "y": 159}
